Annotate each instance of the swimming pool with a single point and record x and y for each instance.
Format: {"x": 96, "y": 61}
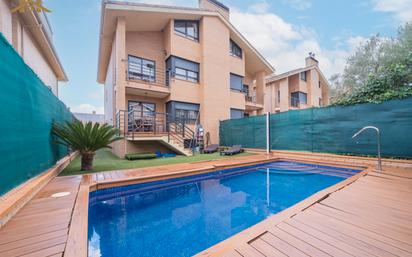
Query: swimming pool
{"x": 183, "y": 216}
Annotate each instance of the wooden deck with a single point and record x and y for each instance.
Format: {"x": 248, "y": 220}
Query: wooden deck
{"x": 366, "y": 215}
{"x": 41, "y": 227}
{"x": 370, "y": 217}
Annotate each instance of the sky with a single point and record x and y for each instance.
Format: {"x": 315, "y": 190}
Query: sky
{"x": 283, "y": 31}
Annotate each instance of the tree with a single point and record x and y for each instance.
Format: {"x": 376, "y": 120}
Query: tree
{"x": 85, "y": 138}
{"x": 337, "y": 89}
{"x": 379, "y": 70}
{"x": 366, "y": 60}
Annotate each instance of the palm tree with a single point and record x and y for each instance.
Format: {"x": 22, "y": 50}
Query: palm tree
{"x": 85, "y": 138}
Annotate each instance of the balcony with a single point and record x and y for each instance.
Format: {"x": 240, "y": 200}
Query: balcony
{"x": 251, "y": 103}
{"x": 145, "y": 79}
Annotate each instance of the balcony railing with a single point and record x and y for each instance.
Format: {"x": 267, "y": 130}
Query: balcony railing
{"x": 134, "y": 124}
{"x": 249, "y": 98}
{"x": 147, "y": 74}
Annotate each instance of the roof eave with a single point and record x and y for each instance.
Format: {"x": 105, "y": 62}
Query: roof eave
{"x": 114, "y": 5}
{"x": 55, "y": 60}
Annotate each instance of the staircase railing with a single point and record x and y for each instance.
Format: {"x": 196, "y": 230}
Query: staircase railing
{"x": 132, "y": 124}
{"x": 181, "y": 133}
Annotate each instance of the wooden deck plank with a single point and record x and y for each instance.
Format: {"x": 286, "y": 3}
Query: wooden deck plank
{"x": 32, "y": 240}
{"x": 331, "y": 216}
{"x": 372, "y": 225}
{"x": 33, "y": 248}
{"x": 56, "y": 250}
{"x": 382, "y": 242}
{"x": 314, "y": 241}
{"x": 298, "y": 243}
{"x": 282, "y": 245}
{"x": 373, "y": 203}
{"x": 21, "y": 235}
{"x": 330, "y": 239}
{"x": 233, "y": 253}
{"x": 347, "y": 236}
{"x": 41, "y": 227}
{"x": 265, "y": 248}
{"x": 77, "y": 240}
{"x": 395, "y": 220}
{"x": 247, "y": 250}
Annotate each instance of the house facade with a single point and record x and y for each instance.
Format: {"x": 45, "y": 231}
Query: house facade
{"x": 31, "y": 36}
{"x": 297, "y": 89}
{"x": 162, "y": 66}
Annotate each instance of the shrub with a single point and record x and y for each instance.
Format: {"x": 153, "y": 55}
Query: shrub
{"x": 140, "y": 156}
{"x": 86, "y": 138}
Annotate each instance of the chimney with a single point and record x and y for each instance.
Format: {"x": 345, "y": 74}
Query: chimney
{"x": 214, "y": 5}
{"x": 310, "y": 60}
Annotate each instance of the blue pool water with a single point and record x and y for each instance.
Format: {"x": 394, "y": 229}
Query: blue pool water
{"x": 181, "y": 217}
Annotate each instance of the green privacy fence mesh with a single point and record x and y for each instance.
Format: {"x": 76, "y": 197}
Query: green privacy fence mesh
{"x": 328, "y": 129}
{"x": 28, "y": 109}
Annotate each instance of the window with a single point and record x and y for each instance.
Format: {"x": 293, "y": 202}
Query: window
{"x": 246, "y": 115}
{"x": 189, "y": 29}
{"x": 142, "y": 69}
{"x": 184, "y": 112}
{"x": 236, "y": 113}
{"x": 278, "y": 96}
{"x": 303, "y": 75}
{"x": 186, "y": 116}
{"x": 235, "y": 50}
{"x": 236, "y": 82}
{"x": 298, "y": 98}
{"x": 319, "y": 84}
{"x": 182, "y": 69}
{"x": 141, "y": 109}
{"x": 320, "y": 101}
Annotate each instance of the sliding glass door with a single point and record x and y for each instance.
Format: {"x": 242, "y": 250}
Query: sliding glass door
{"x": 141, "y": 116}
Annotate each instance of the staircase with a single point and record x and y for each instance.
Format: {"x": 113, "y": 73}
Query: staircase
{"x": 172, "y": 133}
{"x": 181, "y": 137}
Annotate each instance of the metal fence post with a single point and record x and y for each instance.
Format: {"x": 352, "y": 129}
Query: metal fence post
{"x": 267, "y": 133}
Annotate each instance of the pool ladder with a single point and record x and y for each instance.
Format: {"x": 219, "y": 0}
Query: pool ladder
{"x": 378, "y": 142}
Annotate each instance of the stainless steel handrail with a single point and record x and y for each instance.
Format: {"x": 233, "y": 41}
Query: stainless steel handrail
{"x": 378, "y": 142}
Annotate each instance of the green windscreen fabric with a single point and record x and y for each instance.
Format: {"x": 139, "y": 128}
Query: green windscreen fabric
{"x": 28, "y": 108}
{"x": 329, "y": 129}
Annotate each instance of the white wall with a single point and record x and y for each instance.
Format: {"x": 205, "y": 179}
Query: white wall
{"x": 21, "y": 39}
{"x": 108, "y": 92}
{"x": 5, "y": 20}
{"x": 34, "y": 58}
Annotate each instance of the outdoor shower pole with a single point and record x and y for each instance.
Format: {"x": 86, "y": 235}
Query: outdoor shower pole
{"x": 267, "y": 133}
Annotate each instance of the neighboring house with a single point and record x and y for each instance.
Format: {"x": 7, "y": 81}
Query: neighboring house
{"x": 297, "y": 89}
{"x": 167, "y": 68}
{"x": 31, "y": 36}
{"x": 86, "y": 117}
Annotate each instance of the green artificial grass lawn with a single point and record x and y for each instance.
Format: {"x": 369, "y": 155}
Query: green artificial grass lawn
{"x": 105, "y": 160}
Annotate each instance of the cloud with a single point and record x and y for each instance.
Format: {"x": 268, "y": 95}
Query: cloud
{"x": 88, "y": 108}
{"x": 286, "y": 45}
{"x": 400, "y": 9}
{"x": 355, "y": 42}
{"x": 260, "y": 7}
{"x": 298, "y": 4}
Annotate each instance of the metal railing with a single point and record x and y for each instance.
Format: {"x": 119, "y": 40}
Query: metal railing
{"x": 147, "y": 74}
{"x": 134, "y": 124}
{"x": 250, "y": 98}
